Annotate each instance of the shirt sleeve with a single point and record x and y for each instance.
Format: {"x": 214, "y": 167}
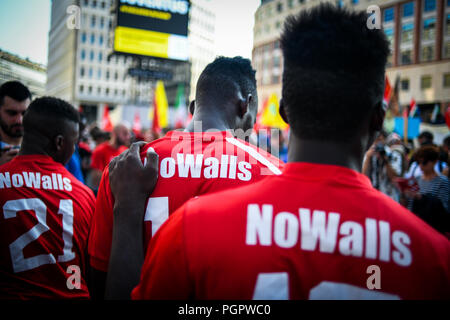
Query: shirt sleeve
{"x": 165, "y": 273}
{"x": 100, "y": 238}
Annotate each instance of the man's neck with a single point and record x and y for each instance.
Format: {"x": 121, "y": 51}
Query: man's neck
{"x": 10, "y": 140}
{"x": 28, "y": 149}
{"x": 203, "y": 122}
{"x": 326, "y": 152}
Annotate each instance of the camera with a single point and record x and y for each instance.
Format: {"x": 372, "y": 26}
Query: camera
{"x": 380, "y": 149}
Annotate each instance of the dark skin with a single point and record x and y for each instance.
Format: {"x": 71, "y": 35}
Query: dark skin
{"x": 347, "y": 154}
{"x": 237, "y": 113}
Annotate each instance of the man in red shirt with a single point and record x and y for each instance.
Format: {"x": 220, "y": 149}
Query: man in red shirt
{"x": 45, "y": 212}
{"x": 205, "y": 158}
{"x": 319, "y": 230}
{"x": 103, "y": 154}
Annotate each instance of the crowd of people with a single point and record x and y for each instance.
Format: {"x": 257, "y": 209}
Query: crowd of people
{"x": 208, "y": 214}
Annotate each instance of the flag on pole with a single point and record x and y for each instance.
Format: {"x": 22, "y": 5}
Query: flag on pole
{"x": 413, "y": 109}
{"x": 137, "y": 126}
{"x": 387, "y": 92}
{"x": 435, "y": 113}
{"x": 160, "y": 108}
{"x": 180, "y": 108}
{"x": 106, "y": 124}
{"x": 271, "y": 114}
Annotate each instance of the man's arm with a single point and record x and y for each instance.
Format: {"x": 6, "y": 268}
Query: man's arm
{"x": 127, "y": 251}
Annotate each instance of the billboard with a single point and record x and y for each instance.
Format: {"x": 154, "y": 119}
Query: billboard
{"x": 154, "y": 28}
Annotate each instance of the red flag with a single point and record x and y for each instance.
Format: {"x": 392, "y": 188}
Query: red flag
{"x": 106, "y": 120}
{"x": 447, "y": 116}
{"x": 137, "y": 126}
{"x": 387, "y": 92}
{"x": 412, "y": 107}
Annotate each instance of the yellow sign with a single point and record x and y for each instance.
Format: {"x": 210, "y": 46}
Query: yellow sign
{"x": 141, "y": 42}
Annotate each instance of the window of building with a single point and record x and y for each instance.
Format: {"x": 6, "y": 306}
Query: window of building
{"x": 90, "y": 89}
{"x": 447, "y": 50}
{"x": 290, "y": 4}
{"x": 107, "y": 75}
{"x": 301, "y": 1}
{"x": 99, "y": 91}
{"x": 446, "y": 83}
{"x": 427, "y": 53}
{"x": 279, "y": 7}
{"x": 91, "y": 72}
{"x": 103, "y": 5}
{"x": 407, "y": 32}
{"x": 86, "y": 2}
{"x": 447, "y": 25}
{"x": 408, "y": 9}
{"x": 107, "y": 91}
{"x": 389, "y": 15}
{"x": 81, "y": 89}
{"x": 278, "y": 25}
{"x": 116, "y": 92}
{"x": 92, "y": 38}
{"x": 83, "y": 37}
{"x": 93, "y": 21}
{"x": 429, "y": 5}
{"x": 275, "y": 79}
{"x": 100, "y": 40}
{"x": 82, "y": 71}
{"x": 92, "y": 55}
{"x": 116, "y": 76}
{"x": 425, "y": 82}
{"x": 276, "y": 62}
{"x": 404, "y": 84}
{"x": 100, "y": 57}
{"x": 99, "y": 73}
{"x": 429, "y": 26}
{"x": 94, "y": 4}
{"x": 83, "y": 54}
{"x": 406, "y": 56}
{"x": 102, "y": 23}
{"x": 355, "y": 1}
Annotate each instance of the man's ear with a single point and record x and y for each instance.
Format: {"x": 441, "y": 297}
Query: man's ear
{"x": 244, "y": 105}
{"x": 283, "y": 112}
{"x": 377, "y": 120}
{"x": 192, "y": 107}
{"x": 59, "y": 142}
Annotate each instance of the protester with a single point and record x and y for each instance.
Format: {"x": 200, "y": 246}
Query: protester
{"x": 312, "y": 231}
{"x": 426, "y": 138}
{"x": 14, "y": 100}
{"x": 105, "y": 152}
{"x": 205, "y": 158}
{"x": 46, "y": 211}
{"x": 431, "y": 201}
{"x": 382, "y": 165}
{"x": 445, "y": 152}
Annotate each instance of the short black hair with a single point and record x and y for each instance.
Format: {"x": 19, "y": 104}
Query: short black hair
{"x": 48, "y": 114}
{"x": 427, "y": 136}
{"x": 334, "y": 71}
{"x": 220, "y": 77}
{"x": 15, "y": 90}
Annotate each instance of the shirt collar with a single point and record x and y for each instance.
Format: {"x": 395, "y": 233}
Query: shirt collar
{"x": 204, "y": 136}
{"x": 317, "y": 172}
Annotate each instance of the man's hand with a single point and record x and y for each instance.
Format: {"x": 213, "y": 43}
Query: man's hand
{"x": 129, "y": 178}
{"x": 8, "y": 154}
{"x": 131, "y": 183}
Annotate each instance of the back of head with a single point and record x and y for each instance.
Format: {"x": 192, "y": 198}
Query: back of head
{"x": 219, "y": 80}
{"x": 334, "y": 69}
{"x": 52, "y": 124}
{"x": 14, "y": 90}
{"x": 426, "y": 138}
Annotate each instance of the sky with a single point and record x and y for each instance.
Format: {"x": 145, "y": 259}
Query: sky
{"x": 24, "y": 27}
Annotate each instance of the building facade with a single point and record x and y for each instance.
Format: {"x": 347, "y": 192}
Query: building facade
{"x": 82, "y": 70}
{"x": 14, "y": 68}
{"x": 418, "y": 30}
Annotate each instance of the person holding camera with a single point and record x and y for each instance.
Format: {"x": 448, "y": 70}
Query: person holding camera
{"x": 382, "y": 165}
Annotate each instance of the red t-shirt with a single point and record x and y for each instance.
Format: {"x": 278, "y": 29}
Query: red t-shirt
{"x": 314, "y": 232}
{"x": 103, "y": 155}
{"x": 190, "y": 164}
{"x": 45, "y": 216}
